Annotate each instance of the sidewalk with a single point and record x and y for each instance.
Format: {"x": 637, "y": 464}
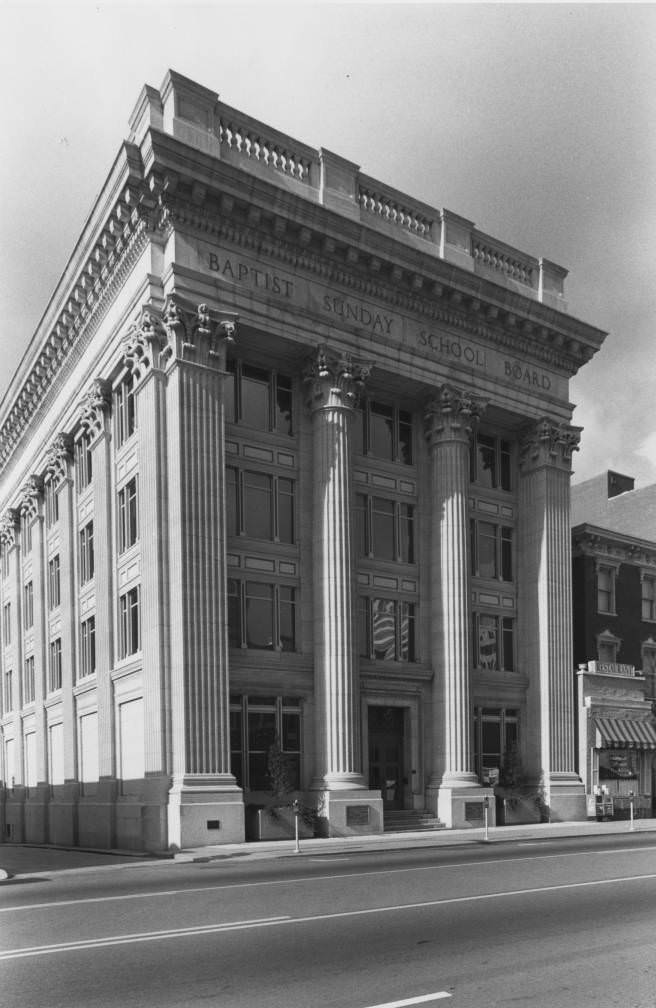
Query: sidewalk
{"x": 18, "y": 860}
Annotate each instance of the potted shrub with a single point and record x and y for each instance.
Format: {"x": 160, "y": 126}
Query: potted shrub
{"x": 276, "y": 819}
{"x": 520, "y": 801}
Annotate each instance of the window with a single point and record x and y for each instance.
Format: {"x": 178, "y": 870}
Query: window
{"x": 491, "y": 550}
{"x": 6, "y": 623}
{"x": 88, "y": 647}
{"x": 258, "y": 398}
{"x": 52, "y": 503}
{"x": 384, "y": 529}
{"x": 261, "y": 615}
{"x": 26, "y": 533}
{"x": 8, "y": 691}
{"x": 260, "y": 505}
{"x": 54, "y": 583}
{"x": 608, "y": 646}
{"x": 257, "y": 724}
{"x": 605, "y": 589}
{"x": 86, "y": 553}
{"x": 83, "y": 463}
{"x": 128, "y": 516}
{"x": 387, "y": 629}
{"x": 383, "y": 432}
{"x": 648, "y": 597}
{"x": 128, "y": 623}
{"x": 491, "y": 463}
{"x": 496, "y": 738}
{"x": 125, "y": 410}
{"x": 55, "y": 681}
{"x": 494, "y": 642}
{"x": 28, "y": 680}
{"x": 28, "y": 605}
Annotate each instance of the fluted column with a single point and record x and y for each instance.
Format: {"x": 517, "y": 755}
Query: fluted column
{"x": 199, "y": 681}
{"x": 545, "y": 611}
{"x": 14, "y": 819}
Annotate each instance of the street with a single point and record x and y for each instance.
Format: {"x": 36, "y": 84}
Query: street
{"x": 546, "y": 923}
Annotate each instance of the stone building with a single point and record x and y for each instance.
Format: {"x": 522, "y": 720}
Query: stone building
{"x": 287, "y": 459}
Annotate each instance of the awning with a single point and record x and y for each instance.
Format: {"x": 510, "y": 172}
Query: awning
{"x": 620, "y": 733}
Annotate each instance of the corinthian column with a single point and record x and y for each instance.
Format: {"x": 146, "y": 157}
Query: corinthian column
{"x": 450, "y": 419}
{"x": 334, "y": 384}
{"x": 545, "y": 612}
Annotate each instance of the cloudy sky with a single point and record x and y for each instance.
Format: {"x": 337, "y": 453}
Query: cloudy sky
{"x": 537, "y": 122}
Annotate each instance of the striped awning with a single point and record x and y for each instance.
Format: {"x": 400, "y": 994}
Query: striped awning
{"x": 621, "y": 733}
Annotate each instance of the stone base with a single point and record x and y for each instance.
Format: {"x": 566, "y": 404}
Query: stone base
{"x": 36, "y": 815}
{"x": 462, "y": 807}
{"x": 349, "y": 813}
{"x": 202, "y": 812}
{"x": 566, "y": 799}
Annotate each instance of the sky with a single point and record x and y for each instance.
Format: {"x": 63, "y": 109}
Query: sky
{"x": 535, "y": 121}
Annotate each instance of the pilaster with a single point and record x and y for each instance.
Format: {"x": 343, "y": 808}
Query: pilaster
{"x": 545, "y": 612}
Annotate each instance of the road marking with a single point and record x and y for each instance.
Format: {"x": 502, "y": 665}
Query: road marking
{"x": 422, "y": 999}
{"x": 57, "y": 904}
{"x": 98, "y": 943}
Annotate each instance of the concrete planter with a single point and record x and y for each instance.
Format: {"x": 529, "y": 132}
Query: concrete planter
{"x": 277, "y": 824}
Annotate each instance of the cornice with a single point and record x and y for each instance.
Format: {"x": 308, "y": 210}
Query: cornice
{"x": 590, "y": 541}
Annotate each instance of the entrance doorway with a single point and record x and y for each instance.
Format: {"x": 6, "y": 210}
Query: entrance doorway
{"x": 386, "y": 765}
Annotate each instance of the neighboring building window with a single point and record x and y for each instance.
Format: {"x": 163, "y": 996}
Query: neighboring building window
{"x": 605, "y": 589}
{"x": 125, "y": 410}
{"x": 28, "y": 605}
{"x": 384, "y": 529}
{"x": 52, "y": 503}
{"x": 87, "y": 563}
{"x": 648, "y": 597}
{"x": 258, "y": 398}
{"x": 28, "y": 680}
{"x": 649, "y": 666}
{"x": 387, "y": 629}
{"x": 261, "y": 616}
{"x": 260, "y": 505}
{"x": 128, "y": 516}
{"x": 257, "y": 724}
{"x": 6, "y": 623}
{"x": 491, "y": 463}
{"x": 54, "y": 583}
{"x": 83, "y": 462}
{"x": 383, "y": 432}
{"x": 88, "y": 647}
{"x": 8, "y": 691}
{"x": 129, "y": 623}
{"x": 496, "y": 736}
{"x": 26, "y": 534}
{"x": 608, "y": 646}
{"x": 55, "y": 665}
{"x": 491, "y": 550}
{"x": 494, "y": 646}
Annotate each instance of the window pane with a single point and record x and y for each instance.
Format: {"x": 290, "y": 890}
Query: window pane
{"x": 261, "y": 736}
{"x": 258, "y": 512}
{"x": 491, "y": 742}
{"x": 287, "y": 618}
{"x": 504, "y": 461}
{"x": 381, "y": 431}
{"x": 487, "y": 550}
{"x": 384, "y": 629}
{"x": 232, "y": 525}
{"x": 286, "y": 510}
{"x": 363, "y": 628}
{"x": 486, "y": 474}
{"x": 407, "y": 632}
{"x": 487, "y": 642}
{"x": 508, "y": 644}
{"x": 360, "y": 524}
{"x": 406, "y": 533}
{"x": 506, "y": 554}
{"x": 405, "y": 437}
{"x": 259, "y": 615}
{"x": 234, "y": 613}
{"x": 229, "y": 392}
{"x": 255, "y": 409}
{"x": 357, "y": 430}
{"x": 383, "y": 529}
{"x": 283, "y": 405}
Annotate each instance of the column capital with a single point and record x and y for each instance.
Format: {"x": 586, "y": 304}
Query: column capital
{"x": 198, "y": 333}
{"x": 94, "y": 406}
{"x": 334, "y": 379}
{"x": 58, "y": 458}
{"x": 31, "y": 496}
{"x": 9, "y": 526}
{"x": 548, "y": 443}
{"x": 144, "y": 343}
{"x": 452, "y": 415}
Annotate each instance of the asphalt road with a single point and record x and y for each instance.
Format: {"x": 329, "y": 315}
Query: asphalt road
{"x": 549, "y": 923}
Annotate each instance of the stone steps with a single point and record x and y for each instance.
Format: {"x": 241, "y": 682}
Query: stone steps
{"x": 410, "y": 821}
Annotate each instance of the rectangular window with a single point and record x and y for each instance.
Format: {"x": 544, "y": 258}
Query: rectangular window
{"x": 88, "y": 647}
{"x": 6, "y": 623}
{"x": 83, "y": 463}
{"x": 494, "y": 646}
{"x": 257, "y": 725}
{"x": 606, "y": 589}
{"x": 54, "y": 583}
{"x": 384, "y": 529}
{"x": 648, "y": 598}
{"x": 258, "y": 398}
{"x": 491, "y": 550}
{"x": 128, "y": 516}
{"x": 387, "y": 629}
{"x": 125, "y": 410}
{"x": 28, "y": 605}
{"x": 129, "y": 623}
{"x": 261, "y": 616}
{"x": 28, "y": 680}
{"x": 496, "y": 738}
{"x": 491, "y": 463}
{"x": 26, "y": 534}
{"x": 260, "y": 505}
{"x": 384, "y": 432}
{"x": 8, "y": 691}
{"x": 55, "y": 670}
{"x": 87, "y": 565}
{"x": 52, "y": 503}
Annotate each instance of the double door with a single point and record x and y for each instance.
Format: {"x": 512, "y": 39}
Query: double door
{"x": 386, "y": 749}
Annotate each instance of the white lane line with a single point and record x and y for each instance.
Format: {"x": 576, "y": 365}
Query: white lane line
{"x": 56, "y": 904}
{"x": 422, "y": 999}
{"x": 312, "y": 919}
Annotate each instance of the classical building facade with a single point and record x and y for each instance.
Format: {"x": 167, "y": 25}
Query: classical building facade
{"x": 287, "y": 460}
{"x": 614, "y": 586}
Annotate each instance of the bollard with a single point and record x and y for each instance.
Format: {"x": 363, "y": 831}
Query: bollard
{"x": 297, "y": 847}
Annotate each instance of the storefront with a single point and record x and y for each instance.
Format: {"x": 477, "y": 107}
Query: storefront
{"x": 617, "y": 741}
